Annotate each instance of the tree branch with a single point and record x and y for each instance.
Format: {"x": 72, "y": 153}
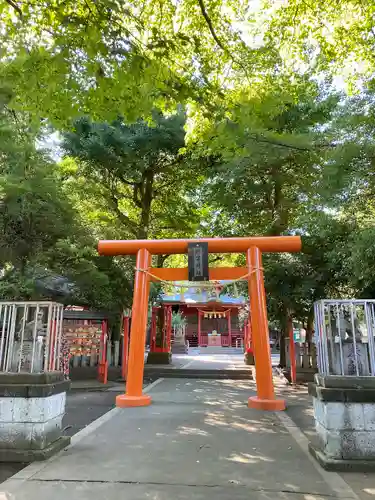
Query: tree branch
{"x": 15, "y": 7}
{"x": 125, "y": 181}
{"x": 210, "y": 25}
{"x": 216, "y": 38}
{"x": 161, "y": 166}
{"x": 261, "y": 139}
{"x": 136, "y": 199}
{"x": 89, "y": 8}
{"x": 166, "y": 185}
{"x": 218, "y": 258}
{"x": 124, "y": 219}
{"x": 161, "y": 259}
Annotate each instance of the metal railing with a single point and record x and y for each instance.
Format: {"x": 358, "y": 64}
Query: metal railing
{"x": 239, "y": 343}
{"x": 344, "y": 335}
{"x": 30, "y": 336}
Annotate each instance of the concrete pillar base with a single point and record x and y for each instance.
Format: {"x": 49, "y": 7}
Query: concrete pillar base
{"x": 32, "y": 409}
{"x": 266, "y": 404}
{"x": 124, "y": 401}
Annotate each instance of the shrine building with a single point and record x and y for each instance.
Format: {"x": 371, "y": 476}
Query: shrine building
{"x": 212, "y": 317}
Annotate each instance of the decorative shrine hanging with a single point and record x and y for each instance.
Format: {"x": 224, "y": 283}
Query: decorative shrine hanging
{"x": 215, "y": 314}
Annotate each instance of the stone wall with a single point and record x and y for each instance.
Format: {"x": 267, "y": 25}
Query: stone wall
{"x": 344, "y": 411}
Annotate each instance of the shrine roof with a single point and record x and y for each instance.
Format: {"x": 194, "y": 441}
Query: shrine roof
{"x": 82, "y": 313}
{"x": 201, "y": 297}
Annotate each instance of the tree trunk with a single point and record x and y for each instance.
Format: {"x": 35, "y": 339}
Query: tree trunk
{"x": 160, "y": 260}
{"x": 146, "y": 198}
{"x": 309, "y": 328}
{"x": 284, "y": 333}
{"x": 275, "y": 199}
{"x": 23, "y": 265}
{"x": 282, "y": 362}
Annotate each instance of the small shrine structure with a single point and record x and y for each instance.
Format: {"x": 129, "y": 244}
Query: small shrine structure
{"x": 212, "y": 317}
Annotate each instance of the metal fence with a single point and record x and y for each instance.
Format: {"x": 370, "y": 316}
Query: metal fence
{"x": 30, "y": 336}
{"x": 344, "y": 335}
{"x": 306, "y": 356}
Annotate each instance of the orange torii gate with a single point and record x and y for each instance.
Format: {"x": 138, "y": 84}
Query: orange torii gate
{"x": 253, "y": 247}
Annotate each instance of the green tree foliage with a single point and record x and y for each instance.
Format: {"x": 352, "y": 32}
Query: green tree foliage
{"x": 270, "y": 150}
{"x": 134, "y": 177}
{"x": 326, "y": 36}
{"x": 42, "y": 235}
{"x": 104, "y": 57}
{"x": 34, "y": 214}
{"x": 349, "y": 171}
{"x": 295, "y": 281}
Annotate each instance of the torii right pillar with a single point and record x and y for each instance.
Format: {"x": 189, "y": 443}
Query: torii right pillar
{"x": 265, "y": 399}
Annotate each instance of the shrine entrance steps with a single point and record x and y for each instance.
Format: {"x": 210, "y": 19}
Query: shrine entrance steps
{"x": 220, "y": 350}
{"x": 200, "y": 366}
{"x": 179, "y": 348}
{"x": 155, "y": 371}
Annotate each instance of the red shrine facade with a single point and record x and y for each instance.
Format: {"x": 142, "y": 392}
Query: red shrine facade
{"x": 211, "y": 320}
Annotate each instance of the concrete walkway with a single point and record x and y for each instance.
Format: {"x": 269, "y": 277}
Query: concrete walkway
{"x": 197, "y": 441}
{"x": 199, "y": 360}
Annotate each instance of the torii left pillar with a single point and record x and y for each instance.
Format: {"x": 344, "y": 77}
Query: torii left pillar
{"x": 265, "y": 399}
{"x": 134, "y": 385}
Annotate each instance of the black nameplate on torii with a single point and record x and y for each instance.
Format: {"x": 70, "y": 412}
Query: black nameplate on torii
{"x": 198, "y": 261}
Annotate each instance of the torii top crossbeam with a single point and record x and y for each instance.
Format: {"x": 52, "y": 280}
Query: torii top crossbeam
{"x": 215, "y": 245}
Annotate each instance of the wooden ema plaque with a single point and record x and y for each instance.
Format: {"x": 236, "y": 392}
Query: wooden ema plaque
{"x": 83, "y": 340}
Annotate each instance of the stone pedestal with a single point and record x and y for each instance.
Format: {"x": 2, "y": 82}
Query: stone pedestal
{"x": 159, "y": 358}
{"x": 351, "y": 355}
{"x": 344, "y": 411}
{"x": 31, "y": 410}
{"x": 303, "y": 375}
{"x": 249, "y": 358}
{"x": 26, "y": 356}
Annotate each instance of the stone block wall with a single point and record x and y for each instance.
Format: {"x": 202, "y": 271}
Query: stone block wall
{"x": 31, "y": 414}
{"x": 344, "y": 411}
{"x": 345, "y": 430}
{"x": 36, "y": 421}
